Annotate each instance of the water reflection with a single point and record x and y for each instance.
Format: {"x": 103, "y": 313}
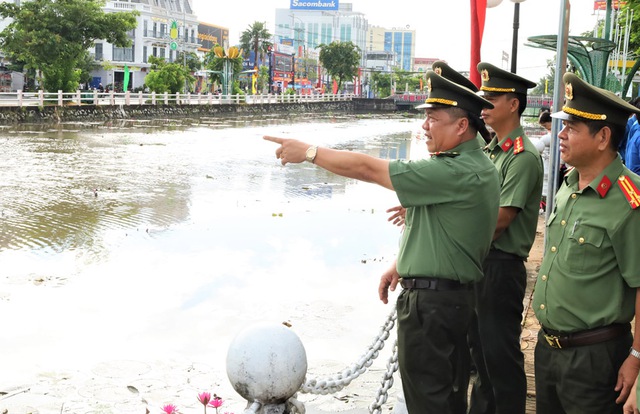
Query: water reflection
{"x": 65, "y": 186}
{"x": 129, "y": 244}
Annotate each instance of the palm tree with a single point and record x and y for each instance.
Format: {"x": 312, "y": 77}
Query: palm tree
{"x": 256, "y": 38}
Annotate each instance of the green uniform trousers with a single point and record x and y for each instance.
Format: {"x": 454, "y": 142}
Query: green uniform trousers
{"x": 579, "y": 380}
{"x": 501, "y": 386}
{"x": 432, "y": 333}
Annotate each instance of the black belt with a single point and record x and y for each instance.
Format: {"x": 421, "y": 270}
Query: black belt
{"x": 432, "y": 283}
{"x": 495, "y": 254}
{"x": 560, "y": 340}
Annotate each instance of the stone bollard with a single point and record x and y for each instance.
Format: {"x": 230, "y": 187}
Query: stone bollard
{"x": 266, "y": 365}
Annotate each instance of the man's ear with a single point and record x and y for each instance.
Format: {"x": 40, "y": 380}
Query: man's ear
{"x": 604, "y": 138}
{"x": 463, "y": 125}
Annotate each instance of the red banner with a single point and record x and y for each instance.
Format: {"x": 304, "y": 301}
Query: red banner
{"x": 478, "y": 13}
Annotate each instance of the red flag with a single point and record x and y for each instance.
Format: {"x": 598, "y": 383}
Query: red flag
{"x": 334, "y": 88}
{"x": 478, "y": 13}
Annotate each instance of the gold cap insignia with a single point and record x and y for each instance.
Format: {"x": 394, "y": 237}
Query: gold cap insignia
{"x": 485, "y": 75}
{"x": 438, "y": 70}
{"x": 568, "y": 91}
{"x": 429, "y": 84}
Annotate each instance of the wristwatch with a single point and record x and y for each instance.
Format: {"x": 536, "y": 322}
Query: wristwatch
{"x": 634, "y": 352}
{"x": 311, "y": 153}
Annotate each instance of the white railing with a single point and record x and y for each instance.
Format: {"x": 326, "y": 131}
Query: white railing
{"x": 94, "y": 97}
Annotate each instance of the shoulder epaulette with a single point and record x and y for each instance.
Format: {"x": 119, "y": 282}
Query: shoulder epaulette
{"x": 630, "y": 191}
{"x": 518, "y": 146}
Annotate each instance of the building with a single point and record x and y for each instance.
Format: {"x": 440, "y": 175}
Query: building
{"x": 307, "y": 27}
{"x": 165, "y": 29}
{"x": 400, "y": 41}
{"x": 423, "y": 64}
{"x": 210, "y": 35}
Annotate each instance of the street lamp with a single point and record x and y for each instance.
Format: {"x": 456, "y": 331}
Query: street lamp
{"x": 516, "y": 26}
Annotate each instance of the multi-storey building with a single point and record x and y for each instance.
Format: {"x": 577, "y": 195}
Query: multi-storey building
{"x": 165, "y": 29}
{"x": 307, "y": 27}
{"x": 400, "y": 41}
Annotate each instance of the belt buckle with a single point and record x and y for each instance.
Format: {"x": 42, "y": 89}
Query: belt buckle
{"x": 553, "y": 341}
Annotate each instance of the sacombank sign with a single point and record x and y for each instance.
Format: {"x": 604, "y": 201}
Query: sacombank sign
{"x": 314, "y": 5}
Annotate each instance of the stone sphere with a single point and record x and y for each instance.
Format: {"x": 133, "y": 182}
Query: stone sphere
{"x": 266, "y": 363}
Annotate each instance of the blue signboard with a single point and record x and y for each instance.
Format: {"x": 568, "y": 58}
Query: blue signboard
{"x": 314, "y": 4}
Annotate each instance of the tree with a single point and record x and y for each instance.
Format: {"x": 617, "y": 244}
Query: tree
{"x": 340, "y": 60}
{"x": 166, "y": 77}
{"x": 52, "y": 36}
{"x": 256, "y": 38}
{"x": 194, "y": 63}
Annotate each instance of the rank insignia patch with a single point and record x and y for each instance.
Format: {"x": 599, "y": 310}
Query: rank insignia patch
{"x": 518, "y": 147}
{"x": 630, "y": 191}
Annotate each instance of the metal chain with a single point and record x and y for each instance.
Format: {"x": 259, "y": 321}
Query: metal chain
{"x": 336, "y": 383}
{"x": 387, "y": 382}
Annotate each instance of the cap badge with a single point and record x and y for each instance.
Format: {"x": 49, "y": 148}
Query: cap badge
{"x": 429, "y": 84}
{"x": 485, "y": 75}
{"x": 568, "y": 91}
{"x": 438, "y": 70}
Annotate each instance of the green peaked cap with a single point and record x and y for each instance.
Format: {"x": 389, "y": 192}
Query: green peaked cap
{"x": 496, "y": 80}
{"x": 443, "y": 92}
{"x": 586, "y": 102}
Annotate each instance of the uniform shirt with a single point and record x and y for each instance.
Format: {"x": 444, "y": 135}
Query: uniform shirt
{"x": 452, "y": 209}
{"x": 591, "y": 266}
{"x": 521, "y": 173}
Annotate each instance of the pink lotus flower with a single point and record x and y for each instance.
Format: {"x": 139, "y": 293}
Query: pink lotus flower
{"x": 204, "y": 398}
{"x": 216, "y": 402}
{"x": 170, "y": 409}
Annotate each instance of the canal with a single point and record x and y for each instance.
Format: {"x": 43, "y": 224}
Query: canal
{"x": 132, "y": 252}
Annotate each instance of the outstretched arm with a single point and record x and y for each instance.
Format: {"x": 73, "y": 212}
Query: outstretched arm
{"x": 345, "y": 163}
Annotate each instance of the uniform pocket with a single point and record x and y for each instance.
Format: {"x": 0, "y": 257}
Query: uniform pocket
{"x": 583, "y": 252}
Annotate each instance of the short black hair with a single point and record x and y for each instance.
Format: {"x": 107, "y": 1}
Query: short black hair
{"x": 522, "y": 101}
{"x": 617, "y": 131}
{"x": 545, "y": 116}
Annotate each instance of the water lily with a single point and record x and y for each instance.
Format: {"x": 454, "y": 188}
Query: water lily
{"x": 170, "y": 409}
{"x": 204, "y": 398}
{"x": 216, "y": 402}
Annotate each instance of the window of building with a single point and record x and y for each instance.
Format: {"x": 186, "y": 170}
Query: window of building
{"x": 163, "y": 29}
{"x": 155, "y": 29}
{"x": 99, "y": 53}
{"x": 155, "y": 51}
{"x": 145, "y": 28}
{"x": 163, "y": 52}
{"x": 123, "y": 54}
{"x": 144, "y": 54}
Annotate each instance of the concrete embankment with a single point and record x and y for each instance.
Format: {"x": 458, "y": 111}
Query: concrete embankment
{"x": 55, "y": 114}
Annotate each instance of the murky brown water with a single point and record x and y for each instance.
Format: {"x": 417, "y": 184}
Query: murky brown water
{"x": 158, "y": 241}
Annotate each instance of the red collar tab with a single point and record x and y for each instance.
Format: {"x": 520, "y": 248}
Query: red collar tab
{"x": 506, "y": 146}
{"x": 630, "y": 191}
{"x": 518, "y": 146}
{"x": 604, "y": 186}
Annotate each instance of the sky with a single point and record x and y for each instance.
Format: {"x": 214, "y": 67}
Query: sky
{"x": 442, "y": 26}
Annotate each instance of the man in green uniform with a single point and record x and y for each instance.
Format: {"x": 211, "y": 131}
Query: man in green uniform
{"x": 500, "y": 294}
{"x": 451, "y": 200}
{"x": 586, "y": 294}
